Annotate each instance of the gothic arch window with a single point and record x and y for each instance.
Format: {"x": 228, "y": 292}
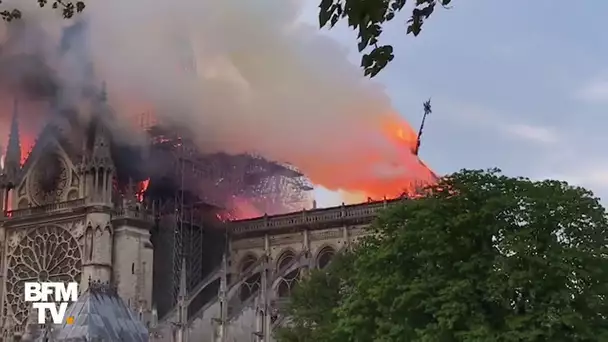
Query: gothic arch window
{"x": 287, "y": 283}
{"x": 324, "y": 256}
{"x": 247, "y": 261}
{"x": 23, "y": 204}
{"x": 46, "y": 253}
{"x": 251, "y": 285}
{"x": 89, "y": 241}
{"x": 286, "y": 258}
{"x": 289, "y": 280}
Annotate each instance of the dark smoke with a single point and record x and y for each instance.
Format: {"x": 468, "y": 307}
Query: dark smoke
{"x": 244, "y": 77}
{"x": 24, "y": 67}
{"x": 28, "y": 76}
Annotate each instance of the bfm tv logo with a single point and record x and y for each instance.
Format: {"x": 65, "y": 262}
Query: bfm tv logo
{"x": 39, "y": 293}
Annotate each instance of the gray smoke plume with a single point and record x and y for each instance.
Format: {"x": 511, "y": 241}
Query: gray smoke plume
{"x": 241, "y": 76}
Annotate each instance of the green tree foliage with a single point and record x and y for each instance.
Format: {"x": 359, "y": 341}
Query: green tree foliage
{"x": 67, "y": 8}
{"x": 483, "y": 257}
{"x": 312, "y": 304}
{"x": 367, "y": 18}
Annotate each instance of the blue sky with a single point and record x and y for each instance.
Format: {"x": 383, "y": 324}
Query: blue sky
{"x": 518, "y": 85}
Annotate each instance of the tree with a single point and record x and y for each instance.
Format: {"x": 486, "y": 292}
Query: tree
{"x": 364, "y": 16}
{"x": 67, "y": 8}
{"x": 312, "y": 303}
{"x": 483, "y": 257}
{"x": 367, "y": 18}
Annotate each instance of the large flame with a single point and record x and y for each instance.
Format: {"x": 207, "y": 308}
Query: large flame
{"x": 391, "y": 167}
{"x": 401, "y": 133}
{"x": 252, "y": 81}
{"x": 243, "y": 209}
{"x": 239, "y": 209}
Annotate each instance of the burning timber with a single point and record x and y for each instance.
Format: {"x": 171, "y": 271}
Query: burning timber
{"x": 240, "y": 186}
{"x": 189, "y": 191}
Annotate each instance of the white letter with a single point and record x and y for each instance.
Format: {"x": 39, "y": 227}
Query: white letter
{"x": 47, "y": 290}
{"x": 57, "y": 314}
{"x": 67, "y": 293}
{"x": 32, "y": 292}
{"x": 42, "y": 307}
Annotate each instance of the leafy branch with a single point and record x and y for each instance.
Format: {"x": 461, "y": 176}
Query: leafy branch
{"x": 67, "y": 8}
{"x": 367, "y": 17}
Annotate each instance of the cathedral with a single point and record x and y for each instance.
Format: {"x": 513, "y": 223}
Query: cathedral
{"x": 69, "y": 214}
{"x": 61, "y": 221}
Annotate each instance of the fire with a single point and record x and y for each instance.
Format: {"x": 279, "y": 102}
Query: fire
{"x": 411, "y": 173}
{"x": 243, "y": 209}
{"x": 240, "y": 209}
{"x": 26, "y": 145}
{"x": 381, "y": 165}
{"x": 141, "y": 189}
{"x": 401, "y": 133}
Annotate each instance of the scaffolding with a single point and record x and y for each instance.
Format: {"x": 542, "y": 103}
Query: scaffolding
{"x": 190, "y": 190}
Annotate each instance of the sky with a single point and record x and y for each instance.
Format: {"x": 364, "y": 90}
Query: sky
{"x": 518, "y": 85}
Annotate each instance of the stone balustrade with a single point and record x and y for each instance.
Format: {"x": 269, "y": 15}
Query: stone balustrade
{"x": 54, "y": 208}
{"x": 132, "y": 213}
{"x": 356, "y": 212}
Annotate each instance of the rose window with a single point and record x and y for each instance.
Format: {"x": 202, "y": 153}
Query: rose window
{"x": 44, "y": 254}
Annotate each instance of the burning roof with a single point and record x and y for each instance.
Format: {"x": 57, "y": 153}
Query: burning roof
{"x": 315, "y": 114}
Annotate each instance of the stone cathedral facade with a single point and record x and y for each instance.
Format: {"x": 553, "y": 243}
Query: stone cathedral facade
{"x": 266, "y": 257}
{"x": 62, "y": 221}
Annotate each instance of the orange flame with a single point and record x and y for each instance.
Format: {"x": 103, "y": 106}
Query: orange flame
{"x": 401, "y": 134}
{"x": 141, "y": 189}
{"x": 365, "y": 170}
{"x": 27, "y": 144}
{"x": 243, "y": 209}
{"x": 384, "y": 168}
{"x": 240, "y": 209}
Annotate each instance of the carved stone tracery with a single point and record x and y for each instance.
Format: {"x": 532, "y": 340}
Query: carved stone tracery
{"x": 49, "y": 179}
{"x": 45, "y": 253}
{"x": 252, "y": 284}
{"x": 288, "y": 281}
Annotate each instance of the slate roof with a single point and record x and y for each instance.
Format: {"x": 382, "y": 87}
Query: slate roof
{"x": 100, "y": 315}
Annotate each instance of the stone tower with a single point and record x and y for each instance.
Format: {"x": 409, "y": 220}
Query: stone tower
{"x": 98, "y": 174}
{"x": 117, "y": 235}
{"x": 64, "y": 220}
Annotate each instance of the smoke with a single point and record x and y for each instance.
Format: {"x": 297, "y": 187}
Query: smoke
{"x": 241, "y": 76}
